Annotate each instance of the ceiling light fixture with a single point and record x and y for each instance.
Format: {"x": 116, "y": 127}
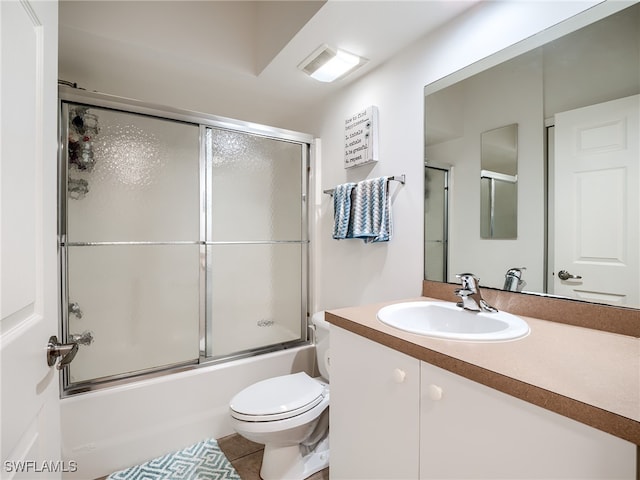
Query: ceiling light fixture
{"x": 327, "y": 64}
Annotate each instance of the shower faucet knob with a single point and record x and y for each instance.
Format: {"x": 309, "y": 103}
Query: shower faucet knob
{"x": 74, "y": 309}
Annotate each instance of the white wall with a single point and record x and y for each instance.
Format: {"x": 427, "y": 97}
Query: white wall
{"x": 350, "y": 272}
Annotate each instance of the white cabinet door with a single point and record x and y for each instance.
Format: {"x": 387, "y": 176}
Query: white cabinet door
{"x": 472, "y": 431}
{"x": 374, "y": 412}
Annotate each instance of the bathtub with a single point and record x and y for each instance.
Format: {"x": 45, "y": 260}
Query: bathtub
{"x": 115, "y": 428}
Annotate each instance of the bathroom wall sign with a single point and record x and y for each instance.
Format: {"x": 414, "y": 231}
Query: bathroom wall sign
{"x": 361, "y": 138}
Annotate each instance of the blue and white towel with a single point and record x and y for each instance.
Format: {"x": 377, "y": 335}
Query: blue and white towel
{"x": 371, "y": 219}
{"x": 342, "y": 210}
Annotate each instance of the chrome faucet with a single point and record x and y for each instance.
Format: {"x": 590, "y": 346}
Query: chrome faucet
{"x": 513, "y": 280}
{"x": 470, "y": 294}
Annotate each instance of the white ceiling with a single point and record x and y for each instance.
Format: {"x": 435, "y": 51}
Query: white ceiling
{"x": 252, "y": 46}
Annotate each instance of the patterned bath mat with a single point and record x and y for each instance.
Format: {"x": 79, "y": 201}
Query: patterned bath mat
{"x": 202, "y": 461}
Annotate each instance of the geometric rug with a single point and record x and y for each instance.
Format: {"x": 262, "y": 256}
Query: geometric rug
{"x": 202, "y": 461}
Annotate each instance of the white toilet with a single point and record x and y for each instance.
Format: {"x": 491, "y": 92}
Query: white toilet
{"x": 290, "y": 416}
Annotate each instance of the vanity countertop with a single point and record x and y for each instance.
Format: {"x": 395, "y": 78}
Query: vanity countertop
{"x": 589, "y": 375}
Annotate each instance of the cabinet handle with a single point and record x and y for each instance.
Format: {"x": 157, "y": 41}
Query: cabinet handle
{"x": 435, "y": 392}
{"x": 399, "y": 375}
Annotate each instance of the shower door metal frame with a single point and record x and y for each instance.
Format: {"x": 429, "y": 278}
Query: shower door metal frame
{"x": 68, "y": 95}
{"x": 208, "y": 243}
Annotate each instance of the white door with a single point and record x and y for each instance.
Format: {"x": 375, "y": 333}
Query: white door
{"x": 597, "y": 204}
{"x": 29, "y": 388}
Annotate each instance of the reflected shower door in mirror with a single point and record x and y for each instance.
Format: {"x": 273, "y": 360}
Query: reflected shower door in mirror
{"x": 499, "y": 183}
{"x": 436, "y": 202}
{"x": 577, "y": 222}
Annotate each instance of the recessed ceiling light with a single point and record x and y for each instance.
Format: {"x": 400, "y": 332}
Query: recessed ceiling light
{"x": 327, "y": 64}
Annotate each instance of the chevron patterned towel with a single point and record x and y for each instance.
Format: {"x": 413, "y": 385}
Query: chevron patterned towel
{"x": 342, "y": 210}
{"x": 202, "y": 461}
{"x": 372, "y": 210}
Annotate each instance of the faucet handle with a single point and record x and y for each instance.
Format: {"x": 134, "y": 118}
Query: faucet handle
{"x": 469, "y": 281}
{"x": 462, "y": 292}
{"x": 516, "y": 271}
{"x": 470, "y": 294}
{"x": 469, "y": 286}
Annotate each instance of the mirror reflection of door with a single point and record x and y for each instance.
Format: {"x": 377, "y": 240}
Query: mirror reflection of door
{"x": 499, "y": 183}
{"x": 436, "y": 190}
{"x": 597, "y": 203}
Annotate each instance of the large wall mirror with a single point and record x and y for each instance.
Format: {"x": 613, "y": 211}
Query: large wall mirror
{"x": 573, "y": 198}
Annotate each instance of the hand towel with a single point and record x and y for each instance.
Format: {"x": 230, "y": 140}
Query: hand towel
{"x": 342, "y": 210}
{"x": 372, "y": 210}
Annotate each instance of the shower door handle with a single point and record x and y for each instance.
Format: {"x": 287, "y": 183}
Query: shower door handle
{"x": 66, "y": 352}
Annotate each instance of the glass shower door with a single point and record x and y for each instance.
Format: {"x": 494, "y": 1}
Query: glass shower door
{"x": 183, "y": 240}
{"x": 256, "y": 242}
{"x": 130, "y": 240}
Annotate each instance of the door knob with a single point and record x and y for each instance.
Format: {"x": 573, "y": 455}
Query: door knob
{"x": 66, "y": 352}
{"x": 564, "y": 275}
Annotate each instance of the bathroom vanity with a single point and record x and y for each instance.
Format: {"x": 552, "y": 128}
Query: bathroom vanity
{"x": 563, "y": 402}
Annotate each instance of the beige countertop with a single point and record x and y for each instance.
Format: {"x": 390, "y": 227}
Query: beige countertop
{"x": 589, "y": 375}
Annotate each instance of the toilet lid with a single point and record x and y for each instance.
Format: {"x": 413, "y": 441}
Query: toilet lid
{"x": 277, "y": 397}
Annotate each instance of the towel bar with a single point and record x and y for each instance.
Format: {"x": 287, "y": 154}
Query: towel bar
{"x": 395, "y": 178}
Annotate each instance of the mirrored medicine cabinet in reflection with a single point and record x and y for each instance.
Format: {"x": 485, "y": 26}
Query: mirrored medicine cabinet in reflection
{"x": 533, "y": 162}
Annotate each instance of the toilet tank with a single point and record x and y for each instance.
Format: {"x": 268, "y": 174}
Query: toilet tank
{"x": 322, "y": 343}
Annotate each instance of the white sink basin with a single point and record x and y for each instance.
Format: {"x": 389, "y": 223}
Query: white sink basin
{"x": 446, "y": 320}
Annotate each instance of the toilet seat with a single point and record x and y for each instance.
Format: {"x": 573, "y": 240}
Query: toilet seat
{"x": 277, "y": 398}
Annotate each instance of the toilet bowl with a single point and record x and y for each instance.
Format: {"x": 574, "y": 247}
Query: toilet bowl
{"x": 289, "y": 414}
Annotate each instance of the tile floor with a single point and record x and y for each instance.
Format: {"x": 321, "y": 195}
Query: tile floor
{"x": 246, "y": 457}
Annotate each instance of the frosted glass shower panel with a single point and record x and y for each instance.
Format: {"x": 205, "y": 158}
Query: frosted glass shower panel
{"x": 256, "y": 297}
{"x": 256, "y": 187}
{"x": 131, "y": 177}
{"x": 139, "y": 303}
